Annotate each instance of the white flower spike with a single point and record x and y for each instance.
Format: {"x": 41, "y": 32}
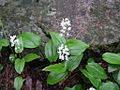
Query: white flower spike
{"x": 63, "y": 52}
{"x": 12, "y": 40}
{"x": 91, "y": 88}
{"x": 65, "y": 27}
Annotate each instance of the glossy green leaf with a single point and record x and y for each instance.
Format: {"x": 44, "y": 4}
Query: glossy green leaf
{"x": 19, "y": 65}
{"x": 18, "y": 83}
{"x": 113, "y": 67}
{"x": 96, "y": 82}
{"x": 55, "y": 77}
{"x": 96, "y": 70}
{"x": 73, "y": 62}
{"x": 55, "y": 68}
{"x": 4, "y": 42}
{"x": 111, "y": 58}
{"x": 118, "y": 77}
{"x": 12, "y": 58}
{"x": 76, "y": 47}
{"x": 57, "y": 39}
{"x": 19, "y": 45}
{"x": 76, "y": 87}
{"x": 31, "y": 56}
{"x": 30, "y": 40}
{"x": 109, "y": 86}
{"x": 51, "y": 51}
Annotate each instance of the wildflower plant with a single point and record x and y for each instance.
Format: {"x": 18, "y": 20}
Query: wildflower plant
{"x": 69, "y": 51}
{"x": 18, "y": 44}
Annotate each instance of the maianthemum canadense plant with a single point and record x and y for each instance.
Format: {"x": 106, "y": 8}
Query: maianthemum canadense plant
{"x": 69, "y": 51}
{"x": 17, "y": 45}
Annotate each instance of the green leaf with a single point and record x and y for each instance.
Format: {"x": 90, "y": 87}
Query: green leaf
{"x": 18, "y": 83}
{"x": 57, "y": 39}
{"x": 109, "y": 86}
{"x": 73, "y": 62}
{"x": 96, "y": 70}
{"x": 55, "y": 68}
{"x": 76, "y": 87}
{"x": 19, "y": 45}
{"x": 30, "y": 40}
{"x": 76, "y": 47}
{"x": 96, "y": 82}
{"x": 4, "y": 42}
{"x": 12, "y": 58}
{"x": 51, "y": 51}
{"x": 19, "y": 65}
{"x": 55, "y": 77}
{"x": 112, "y": 67}
{"x": 0, "y": 46}
{"x": 111, "y": 58}
{"x": 30, "y": 57}
{"x": 118, "y": 77}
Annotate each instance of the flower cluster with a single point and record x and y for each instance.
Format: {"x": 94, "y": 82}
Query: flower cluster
{"x": 66, "y": 27}
{"x": 63, "y": 52}
{"x": 91, "y": 88}
{"x": 14, "y": 41}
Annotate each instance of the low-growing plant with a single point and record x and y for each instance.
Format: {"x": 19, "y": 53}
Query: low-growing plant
{"x": 17, "y": 45}
{"x": 69, "y": 51}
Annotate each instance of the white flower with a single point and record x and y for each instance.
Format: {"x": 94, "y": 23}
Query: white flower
{"x": 12, "y": 40}
{"x": 63, "y": 52}
{"x": 65, "y": 27}
{"x": 91, "y": 88}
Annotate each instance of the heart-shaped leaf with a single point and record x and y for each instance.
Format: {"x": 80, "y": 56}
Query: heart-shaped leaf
{"x": 57, "y": 39}
{"x": 51, "y": 51}
{"x": 4, "y": 42}
{"x": 55, "y": 68}
{"x": 18, "y": 83}
{"x": 96, "y": 70}
{"x": 96, "y": 82}
{"x": 30, "y": 57}
{"x": 19, "y": 65}
{"x": 73, "y": 62}
{"x": 76, "y": 47}
{"x": 109, "y": 86}
{"x": 30, "y": 40}
{"x": 111, "y": 58}
{"x": 54, "y": 77}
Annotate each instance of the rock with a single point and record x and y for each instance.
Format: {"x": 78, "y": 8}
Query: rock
{"x": 96, "y": 22}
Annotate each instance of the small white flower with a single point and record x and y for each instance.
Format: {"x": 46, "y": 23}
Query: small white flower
{"x": 91, "y": 88}
{"x": 69, "y": 28}
{"x": 61, "y": 34}
{"x": 65, "y": 27}
{"x": 66, "y": 57}
{"x": 63, "y": 52}
{"x": 12, "y": 40}
{"x": 62, "y": 31}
